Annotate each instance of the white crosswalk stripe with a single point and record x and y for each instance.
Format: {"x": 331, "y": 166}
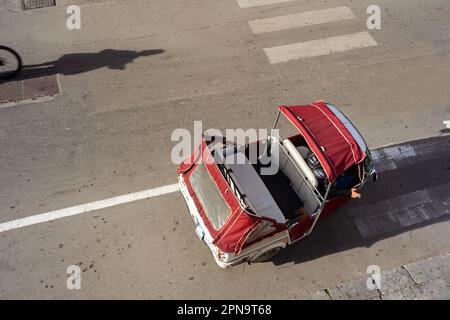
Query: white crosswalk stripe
{"x": 257, "y": 3}
{"x": 308, "y": 49}
{"x": 319, "y": 47}
{"x": 402, "y": 211}
{"x": 301, "y": 19}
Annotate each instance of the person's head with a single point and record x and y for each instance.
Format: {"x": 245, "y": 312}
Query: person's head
{"x": 144, "y": 53}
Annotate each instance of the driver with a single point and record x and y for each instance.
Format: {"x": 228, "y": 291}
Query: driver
{"x": 342, "y": 188}
{"x": 343, "y": 185}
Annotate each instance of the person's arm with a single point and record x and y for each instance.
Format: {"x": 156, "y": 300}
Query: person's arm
{"x": 335, "y": 193}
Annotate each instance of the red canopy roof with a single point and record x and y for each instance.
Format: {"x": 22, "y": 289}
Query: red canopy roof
{"x": 326, "y": 135}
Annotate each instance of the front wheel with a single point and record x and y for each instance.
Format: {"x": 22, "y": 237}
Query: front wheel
{"x": 268, "y": 255}
{"x": 10, "y": 63}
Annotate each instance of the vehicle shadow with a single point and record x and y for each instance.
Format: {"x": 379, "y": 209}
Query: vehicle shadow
{"x": 75, "y": 63}
{"x": 339, "y": 232}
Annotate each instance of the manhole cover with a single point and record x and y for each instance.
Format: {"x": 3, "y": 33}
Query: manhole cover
{"x": 35, "y": 4}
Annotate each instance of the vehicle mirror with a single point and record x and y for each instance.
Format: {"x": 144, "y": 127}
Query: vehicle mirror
{"x": 374, "y": 176}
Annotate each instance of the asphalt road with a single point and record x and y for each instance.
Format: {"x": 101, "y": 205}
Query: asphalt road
{"x": 108, "y": 134}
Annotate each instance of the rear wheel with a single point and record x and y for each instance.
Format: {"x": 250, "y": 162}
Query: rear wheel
{"x": 267, "y": 255}
{"x": 10, "y": 63}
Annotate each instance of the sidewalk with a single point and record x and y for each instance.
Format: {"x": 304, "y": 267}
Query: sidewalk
{"x": 421, "y": 280}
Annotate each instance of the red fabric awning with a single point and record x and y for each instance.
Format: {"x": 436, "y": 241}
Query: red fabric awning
{"x": 326, "y": 135}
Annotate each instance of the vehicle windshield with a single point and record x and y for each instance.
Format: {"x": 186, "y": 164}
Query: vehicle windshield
{"x": 213, "y": 204}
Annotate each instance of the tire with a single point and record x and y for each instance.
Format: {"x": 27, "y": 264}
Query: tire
{"x": 10, "y": 63}
{"x": 267, "y": 255}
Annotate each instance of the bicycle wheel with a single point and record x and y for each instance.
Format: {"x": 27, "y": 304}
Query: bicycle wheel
{"x": 10, "y": 63}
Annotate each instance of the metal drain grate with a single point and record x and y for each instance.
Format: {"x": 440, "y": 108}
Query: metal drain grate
{"x": 36, "y": 4}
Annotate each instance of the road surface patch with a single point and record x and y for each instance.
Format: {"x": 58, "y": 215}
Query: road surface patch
{"x": 30, "y": 90}
{"x": 301, "y": 19}
{"x": 391, "y": 157}
{"x": 402, "y": 212}
{"x": 429, "y": 269}
{"x": 397, "y": 283}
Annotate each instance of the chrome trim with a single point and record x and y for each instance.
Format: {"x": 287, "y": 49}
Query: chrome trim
{"x": 350, "y": 126}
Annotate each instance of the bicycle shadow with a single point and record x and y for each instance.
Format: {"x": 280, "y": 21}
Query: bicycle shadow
{"x": 76, "y": 63}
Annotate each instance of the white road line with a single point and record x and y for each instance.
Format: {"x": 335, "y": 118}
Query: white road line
{"x": 87, "y": 207}
{"x": 319, "y": 47}
{"x": 257, "y": 3}
{"x": 301, "y": 19}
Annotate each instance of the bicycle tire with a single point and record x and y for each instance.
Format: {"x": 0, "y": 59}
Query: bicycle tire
{"x": 12, "y": 73}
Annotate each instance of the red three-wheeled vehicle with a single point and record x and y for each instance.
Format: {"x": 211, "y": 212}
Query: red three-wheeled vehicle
{"x": 248, "y": 208}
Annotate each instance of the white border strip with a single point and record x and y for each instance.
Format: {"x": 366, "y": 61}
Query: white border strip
{"x": 85, "y": 208}
{"x": 320, "y": 47}
{"x": 301, "y": 19}
{"x": 257, "y": 3}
